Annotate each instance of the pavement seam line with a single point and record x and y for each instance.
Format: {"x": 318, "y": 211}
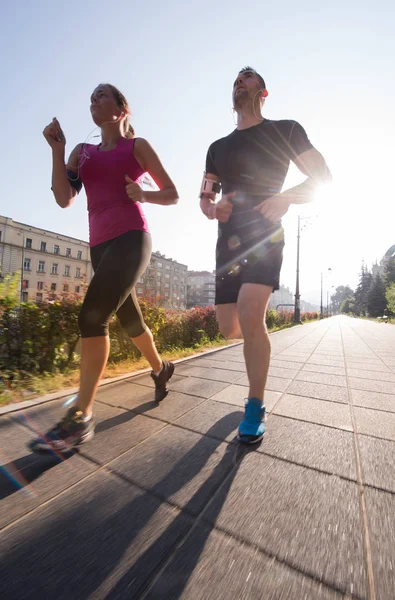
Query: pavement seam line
{"x": 358, "y": 462}
{"x": 201, "y": 518}
{"x": 370, "y": 348}
{"x": 296, "y": 374}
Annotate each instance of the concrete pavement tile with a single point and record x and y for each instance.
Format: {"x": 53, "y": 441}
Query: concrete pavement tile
{"x": 373, "y": 400}
{"x": 322, "y": 378}
{"x": 329, "y": 370}
{"x": 380, "y": 507}
{"x": 116, "y": 431}
{"x": 374, "y": 375}
{"x": 319, "y": 391}
{"x": 233, "y": 394}
{"x": 275, "y": 384}
{"x": 277, "y": 362}
{"x": 378, "y": 464}
{"x": 329, "y": 362}
{"x": 218, "y": 364}
{"x": 236, "y": 394}
{"x": 332, "y": 414}
{"x": 26, "y": 479}
{"x": 376, "y": 367}
{"x": 209, "y": 564}
{"x": 101, "y": 539}
{"x": 384, "y": 387}
{"x": 309, "y": 520}
{"x": 139, "y": 399}
{"x": 209, "y": 373}
{"x": 296, "y": 355}
{"x": 199, "y": 387}
{"x": 311, "y": 445}
{"x": 375, "y": 423}
{"x": 282, "y": 372}
{"x": 203, "y": 419}
{"x": 181, "y": 466}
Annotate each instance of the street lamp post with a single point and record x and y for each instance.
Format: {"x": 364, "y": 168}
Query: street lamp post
{"x": 322, "y": 292}
{"x": 297, "y": 293}
{"x": 321, "y": 307}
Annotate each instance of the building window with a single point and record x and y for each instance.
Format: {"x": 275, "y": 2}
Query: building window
{"x": 167, "y": 267}
{"x": 25, "y": 297}
{"x": 77, "y": 289}
{"x": 68, "y": 251}
{"x": 56, "y": 249}
{"x": 43, "y": 247}
{"x": 27, "y": 264}
{"x": 25, "y": 284}
{"x": 79, "y": 254}
{"x": 139, "y": 291}
{"x": 66, "y": 287}
{"x": 1, "y": 233}
{"x": 159, "y": 265}
{"x": 53, "y": 287}
{"x": 167, "y": 285}
{"x": 28, "y": 243}
{"x": 40, "y": 285}
{"x": 78, "y": 272}
{"x": 39, "y": 297}
{"x": 41, "y": 266}
{"x": 54, "y": 269}
{"x": 167, "y": 276}
{"x": 67, "y": 270}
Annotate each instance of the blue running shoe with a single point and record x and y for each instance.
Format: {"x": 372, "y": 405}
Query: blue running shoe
{"x": 252, "y": 427}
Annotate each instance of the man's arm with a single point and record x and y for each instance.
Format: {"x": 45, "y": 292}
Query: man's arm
{"x": 207, "y": 199}
{"x": 216, "y": 210}
{"x": 312, "y": 164}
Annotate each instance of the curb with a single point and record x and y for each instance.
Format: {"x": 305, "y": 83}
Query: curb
{"x": 18, "y": 406}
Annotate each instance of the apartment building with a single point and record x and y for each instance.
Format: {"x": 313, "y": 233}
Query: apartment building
{"x": 200, "y": 288}
{"x": 50, "y": 264}
{"x": 165, "y": 280}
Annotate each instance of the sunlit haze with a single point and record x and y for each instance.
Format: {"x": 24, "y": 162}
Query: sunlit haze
{"x": 328, "y": 66}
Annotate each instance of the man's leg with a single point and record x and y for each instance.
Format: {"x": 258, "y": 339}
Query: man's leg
{"x": 252, "y": 304}
{"x": 228, "y": 320}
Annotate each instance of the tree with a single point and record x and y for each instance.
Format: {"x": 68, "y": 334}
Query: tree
{"x": 390, "y": 297}
{"x": 362, "y": 291}
{"x": 348, "y": 305}
{"x": 343, "y": 292}
{"x": 389, "y": 274}
{"x": 376, "y": 297}
{"x": 9, "y": 287}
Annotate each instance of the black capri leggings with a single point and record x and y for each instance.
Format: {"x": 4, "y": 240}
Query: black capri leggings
{"x": 118, "y": 264}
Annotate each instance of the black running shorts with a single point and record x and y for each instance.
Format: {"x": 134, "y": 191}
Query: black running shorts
{"x": 241, "y": 262}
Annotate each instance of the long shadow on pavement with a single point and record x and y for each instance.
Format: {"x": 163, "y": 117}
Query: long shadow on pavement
{"x": 78, "y": 551}
{"x": 32, "y": 466}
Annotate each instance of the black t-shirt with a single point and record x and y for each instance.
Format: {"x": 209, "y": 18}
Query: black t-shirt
{"x": 253, "y": 163}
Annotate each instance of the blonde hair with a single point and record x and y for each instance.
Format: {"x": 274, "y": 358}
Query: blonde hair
{"x": 123, "y": 104}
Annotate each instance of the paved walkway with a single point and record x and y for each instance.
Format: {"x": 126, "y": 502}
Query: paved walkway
{"x": 165, "y": 504}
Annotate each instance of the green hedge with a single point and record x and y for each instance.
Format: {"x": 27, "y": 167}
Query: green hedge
{"x": 42, "y": 338}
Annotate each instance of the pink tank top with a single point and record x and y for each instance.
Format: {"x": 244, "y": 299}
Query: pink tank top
{"x": 111, "y": 212}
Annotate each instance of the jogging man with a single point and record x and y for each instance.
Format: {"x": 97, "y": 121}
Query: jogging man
{"x": 250, "y": 166}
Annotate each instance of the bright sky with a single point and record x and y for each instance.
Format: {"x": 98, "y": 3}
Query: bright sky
{"x": 328, "y": 66}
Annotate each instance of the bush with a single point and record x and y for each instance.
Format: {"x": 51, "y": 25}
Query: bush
{"x": 36, "y": 339}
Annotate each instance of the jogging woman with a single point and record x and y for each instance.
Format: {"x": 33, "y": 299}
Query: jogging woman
{"x": 120, "y": 244}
